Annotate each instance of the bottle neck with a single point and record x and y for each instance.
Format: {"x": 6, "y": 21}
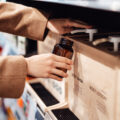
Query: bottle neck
{"x": 66, "y": 42}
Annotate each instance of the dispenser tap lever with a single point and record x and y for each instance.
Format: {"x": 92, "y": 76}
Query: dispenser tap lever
{"x": 91, "y": 33}
{"x": 115, "y": 40}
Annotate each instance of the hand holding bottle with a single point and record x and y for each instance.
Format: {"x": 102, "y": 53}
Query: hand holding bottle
{"x": 45, "y": 66}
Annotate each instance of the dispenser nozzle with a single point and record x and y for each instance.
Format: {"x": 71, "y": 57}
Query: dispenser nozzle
{"x": 115, "y": 40}
{"x": 91, "y": 33}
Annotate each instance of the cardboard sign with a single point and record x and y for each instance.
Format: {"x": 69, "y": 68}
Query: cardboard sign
{"x": 93, "y": 87}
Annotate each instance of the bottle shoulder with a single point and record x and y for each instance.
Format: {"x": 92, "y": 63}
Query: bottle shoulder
{"x": 63, "y": 46}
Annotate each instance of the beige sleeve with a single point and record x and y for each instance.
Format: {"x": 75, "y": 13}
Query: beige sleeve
{"x": 21, "y": 20}
{"x": 13, "y": 70}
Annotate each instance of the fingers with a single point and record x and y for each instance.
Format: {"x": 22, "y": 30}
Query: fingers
{"x": 59, "y": 72}
{"x": 59, "y": 62}
{"x": 78, "y": 24}
{"x": 55, "y": 77}
{"x": 56, "y": 66}
{"x": 70, "y": 24}
{"x": 67, "y": 30}
{"x": 63, "y": 60}
{"x": 62, "y": 65}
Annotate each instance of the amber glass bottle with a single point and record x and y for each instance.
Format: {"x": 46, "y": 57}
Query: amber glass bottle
{"x": 64, "y": 48}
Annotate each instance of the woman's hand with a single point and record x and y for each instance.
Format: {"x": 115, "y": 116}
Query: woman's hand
{"x": 63, "y": 26}
{"x": 45, "y": 66}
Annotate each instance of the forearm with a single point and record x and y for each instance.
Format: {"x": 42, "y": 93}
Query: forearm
{"x": 21, "y": 20}
{"x": 13, "y": 70}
